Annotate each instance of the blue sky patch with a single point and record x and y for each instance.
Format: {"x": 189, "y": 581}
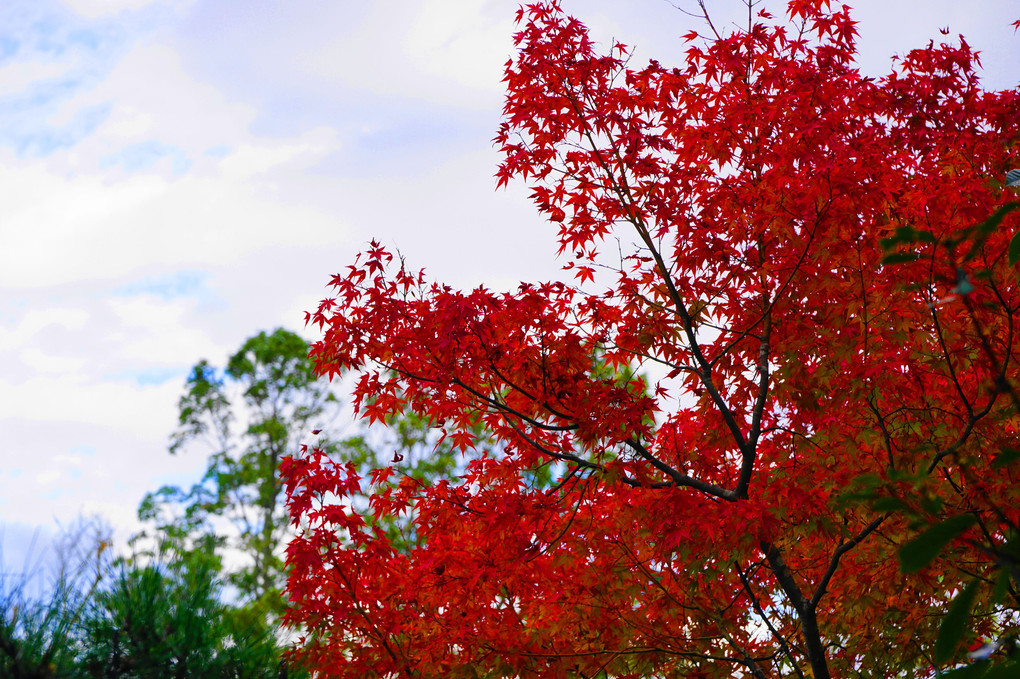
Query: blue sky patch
{"x": 181, "y": 164}
{"x": 143, "y": 155}
{"x": 150, "y": 377}
{"x": 8, "y": 47}
{"x": 182, "y": 480}
{"x": 35, "y": 138}
{"x": 88, "y": 451}
{"x": 42, "y": 31}
{"x": 221, "y": 151}
{"x": 185, "y": 283}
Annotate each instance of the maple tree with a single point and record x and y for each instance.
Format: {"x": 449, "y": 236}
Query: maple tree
{"x": 786, "y": 353}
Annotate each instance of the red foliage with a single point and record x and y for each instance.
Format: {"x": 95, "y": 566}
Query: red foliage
{"x": 704, "y": 410}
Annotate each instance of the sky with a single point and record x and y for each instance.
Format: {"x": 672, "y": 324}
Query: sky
{"x": 177, "y": 175}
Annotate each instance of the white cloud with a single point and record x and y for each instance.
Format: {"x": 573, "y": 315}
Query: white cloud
{"x": 155, "y": 332}
{"x": 58, "y": 229}
{"x": 446, "y": 52}
{"x": 466, "y": 41}
{"x": 150, "y": 98}
{"x": 56, "y": 486}
{"x": 51, "y": 364}
{"x": 128, "y": 123}
{"x": 142, "y": 193}
{"x": 16, "y": 76}
{"x": 47, "y": 477}
{"x": 123, "y": 406}
{"x": 34, "y": 321}
{"x": 249, "y": 160}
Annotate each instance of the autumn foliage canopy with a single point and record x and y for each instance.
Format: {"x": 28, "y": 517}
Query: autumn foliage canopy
{"x": 785, "y": 349}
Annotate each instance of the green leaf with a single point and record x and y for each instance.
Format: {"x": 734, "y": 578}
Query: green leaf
{"x": 868, "y": 481}
{"x": 954, "y": 625}
{"x": 907, "y": 234}
{"x": 983, "y": 229}
{"x": 1008, "y": 671}
{"x": 904, "y": 475}
{"x": 888, "y": 504}
{"x": 1004, "y": 458}
{"x": 920, "y": 551}
{"x": 987, "y": 226}
{"x": 900, "y": 258}
{"x": 1014, "y": 248}
{"x": 931, "y": 504}
{"x": 969, "y": 672}
{"x": 1001, "y": 587}
{"x": 904, "y": 234}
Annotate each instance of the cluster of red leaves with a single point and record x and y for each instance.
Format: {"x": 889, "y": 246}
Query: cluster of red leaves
{"x": 695, "y": 518}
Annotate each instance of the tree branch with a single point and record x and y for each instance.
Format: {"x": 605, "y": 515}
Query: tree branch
{"x": 814, "y": 649}
{"x": 842, "y": 549}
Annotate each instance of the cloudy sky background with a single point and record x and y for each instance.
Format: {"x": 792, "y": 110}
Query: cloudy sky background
{"x": 176, "y": 175}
